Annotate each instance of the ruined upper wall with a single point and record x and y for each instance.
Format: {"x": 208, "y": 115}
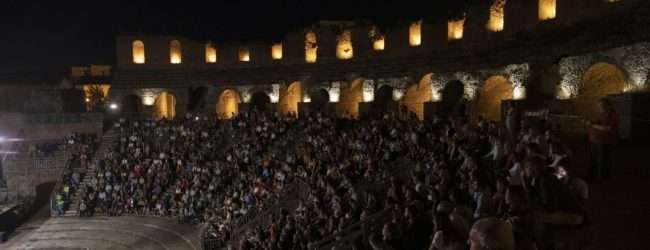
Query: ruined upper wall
{"x": 520, "y": 19}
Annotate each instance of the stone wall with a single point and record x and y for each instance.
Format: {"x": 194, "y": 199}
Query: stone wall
{"x": 22, "y": 182}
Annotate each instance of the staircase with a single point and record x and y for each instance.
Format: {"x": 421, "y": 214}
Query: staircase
{"x": 87, "y": 173}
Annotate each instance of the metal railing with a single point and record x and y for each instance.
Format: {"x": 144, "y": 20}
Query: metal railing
{"x": 569, "y": 123}
{"x": 295, "y": 191}
{"x": 27, "y": 164}
{"x": 59, "y": 183}
{"x": 61, "y": 118}
{"x": 344, "y": 238}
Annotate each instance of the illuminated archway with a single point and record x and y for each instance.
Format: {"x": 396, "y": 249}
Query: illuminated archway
{"x": 350, "y": 98}
{"x": 494, "y": 90}
{"x": 291, "y": 98}
{"x": 417, "y": 94}
{"x": 131, "y": 104}
{"x": 452, "y": 93}
{"x": 228, "y": 104}
{"x": 600, "y": 80}
{"x": 164, "y": 106}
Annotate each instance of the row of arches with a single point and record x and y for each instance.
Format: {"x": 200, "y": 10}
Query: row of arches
{"x": 599, "y": 80}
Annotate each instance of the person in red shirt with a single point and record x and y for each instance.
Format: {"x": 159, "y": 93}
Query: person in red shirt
{"x": 603, "y": 136}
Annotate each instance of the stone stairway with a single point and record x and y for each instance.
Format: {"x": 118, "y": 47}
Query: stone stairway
{"x": 106, "y": 141}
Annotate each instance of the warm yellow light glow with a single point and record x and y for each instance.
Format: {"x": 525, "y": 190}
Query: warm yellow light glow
{"x": 519, "y": 93}
{"x": 415, "y": 33}
{"x": 276, "y": 51}
{"x": 377, "y": 39}
{"x": 138, "y": 52}
{"x": 344, "y": 45}
{"x": 210, "y": 53}
{"x": 495, "y": 23}
{"x": 165, "y": 106}
{"x": 228, "y": 104}
{"x": 310, "y": 47}
{"x": 175, "y": 52}
{"x": 244, "y": 54}
{"x": 455, "y": 29}
{"x": 306, "y": 98}
{"x": 547, "y": 9}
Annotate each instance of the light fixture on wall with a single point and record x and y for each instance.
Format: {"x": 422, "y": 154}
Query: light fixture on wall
{"x": 113, "y": 106}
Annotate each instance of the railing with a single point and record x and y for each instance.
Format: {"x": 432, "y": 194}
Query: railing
{"x": 26, "y": 164}
{"x": 344, "y": 238}
{"x": 58, "y": 185}
{"x": 61, "y": 118}
{"x": 569, "y": 123}
{"x": 296, "y": 190}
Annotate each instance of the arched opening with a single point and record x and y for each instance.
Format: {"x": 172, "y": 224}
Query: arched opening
{"x": 452, "y": 95}
{"x": 210, "y": 53}
{"x": 228, "y": 104}
{"x": 131, "y": 104}
{"x": 311, "y": 47}
{"x": 497, "y": 14}
{"x": 494, "y": 90}
{"x": 417, "y": 94}
{"x": 175, "y": 52}
{"x": 197, "y": 99}
{"x": 344, "y": 45}
{"x": 415, "y": 36}
{"x": 319, "y": 100}
{"x": 138, "y": 52}
{"x": 383, "y": 101}
{"x": 260, "y": 101}
{"x": 600, "y": 80}
{"x": 291, "y": 98}
{"x": 164, "y": 106}
{"x": 350, "y": 98}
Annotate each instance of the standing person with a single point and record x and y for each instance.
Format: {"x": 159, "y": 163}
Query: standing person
{"x": 511, "y": 119}
{"x": 603, "y": 135}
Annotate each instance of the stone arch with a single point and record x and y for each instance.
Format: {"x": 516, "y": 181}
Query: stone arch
{"x": 350, "y": 97}
{"x": 494, "y": 90}
{"x": 197, "y": 99}
{"x": 131, "y": 104}
{"x": 416, "y": 94}
{"x": 599, "y": 80}
{"x": 290, "y": 98}
{"x": 228, "y": 104}
{"x": 260, "y": 101}
{"x": 383, "y": 102}
{"x": 452, "y": 94}
{"x": 164, "y": 106}
{"x": 319, "y": 99}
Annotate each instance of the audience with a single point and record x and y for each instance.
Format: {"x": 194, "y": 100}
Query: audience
{"x": 432, "y": 181}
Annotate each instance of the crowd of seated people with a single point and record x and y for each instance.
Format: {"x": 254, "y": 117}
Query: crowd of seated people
{"x": 180, "y": 168}
{"x": 87, "y": 143}
{"x": 462, "y": 177}
{"x": 461, "y": 173}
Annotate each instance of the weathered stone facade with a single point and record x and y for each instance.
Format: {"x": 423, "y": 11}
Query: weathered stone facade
{"x": 531, "y": 60}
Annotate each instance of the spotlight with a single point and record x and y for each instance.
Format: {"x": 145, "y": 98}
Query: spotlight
{"x": 113, "y": 106}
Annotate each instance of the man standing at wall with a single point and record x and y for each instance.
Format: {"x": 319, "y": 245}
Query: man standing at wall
{"x": 603, "y": 135}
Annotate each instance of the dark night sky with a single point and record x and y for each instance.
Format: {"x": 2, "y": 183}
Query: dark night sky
{"x": 52, "y": 35}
